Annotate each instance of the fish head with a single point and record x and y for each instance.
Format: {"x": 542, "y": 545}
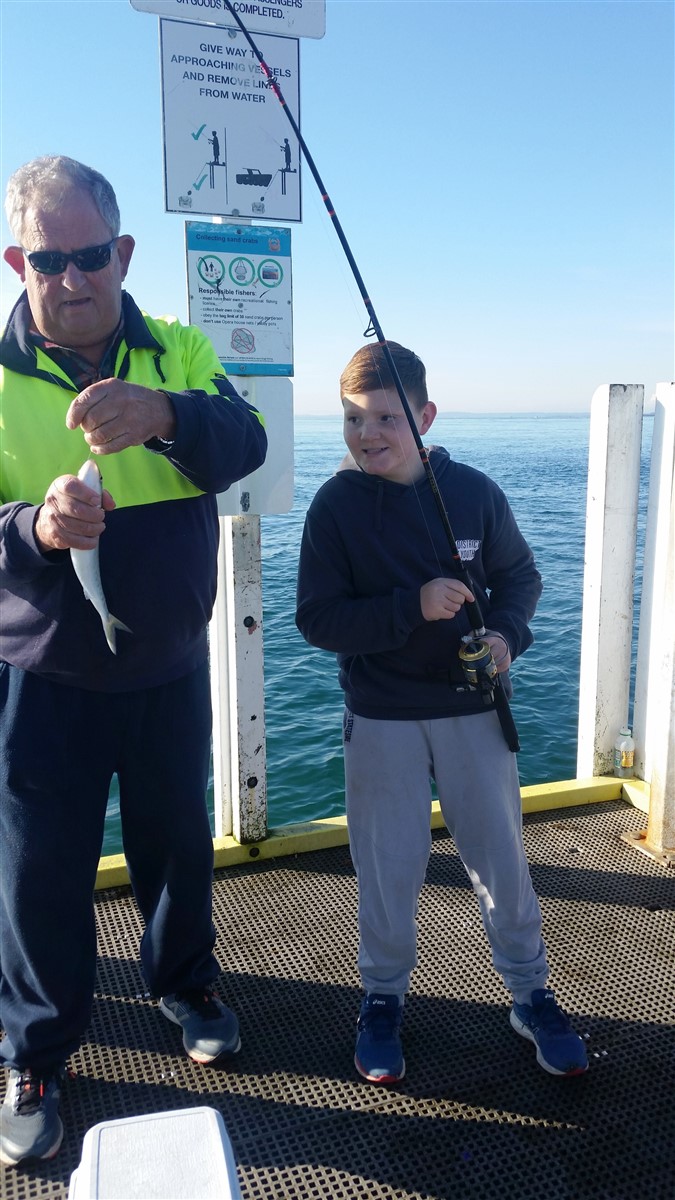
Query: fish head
{"x": 89, "y": 473}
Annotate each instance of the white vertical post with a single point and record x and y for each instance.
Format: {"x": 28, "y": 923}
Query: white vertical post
{"x": 655, "y": 630}
{"x": 219, "y": 647}
{"x": 654, "y": 720}
{"x": 609, "y": 567}
{"x": 237, "y": 684}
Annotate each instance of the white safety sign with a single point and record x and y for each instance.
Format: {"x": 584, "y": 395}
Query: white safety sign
{"x": 229, "y": 149}
{"x": 285, "y": 18}
{"x": 239, "y": 288}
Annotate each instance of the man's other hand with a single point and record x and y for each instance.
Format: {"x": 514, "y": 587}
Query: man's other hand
{"x": 114, "y": 414}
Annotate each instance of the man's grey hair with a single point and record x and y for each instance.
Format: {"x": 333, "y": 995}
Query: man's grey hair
{"x": 44, "y": 184}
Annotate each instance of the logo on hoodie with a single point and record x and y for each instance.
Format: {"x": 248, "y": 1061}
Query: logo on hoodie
{"x": 467, "y": 548}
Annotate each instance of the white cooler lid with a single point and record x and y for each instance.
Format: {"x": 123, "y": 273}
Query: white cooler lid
{"x": 181, "y": 1155}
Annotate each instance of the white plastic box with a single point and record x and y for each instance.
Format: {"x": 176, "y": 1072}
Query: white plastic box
{"x": 180, "y": 1155}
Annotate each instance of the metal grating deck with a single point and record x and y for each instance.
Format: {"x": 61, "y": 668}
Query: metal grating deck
{"x": 475, "y": 1118}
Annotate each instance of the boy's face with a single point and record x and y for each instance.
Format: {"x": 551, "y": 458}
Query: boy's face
{"x": 379, "y": 437}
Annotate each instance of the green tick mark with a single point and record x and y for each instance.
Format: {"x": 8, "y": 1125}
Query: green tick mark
{"x": 199, "y": 132}
{"x": 198, "y": 185}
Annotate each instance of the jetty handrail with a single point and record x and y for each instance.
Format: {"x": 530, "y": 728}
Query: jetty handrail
{"x": 607, "y": 622}
{"x": 654, "y": 715}
{"x": 607, "y": 628}
{"x": 614, "y": 440}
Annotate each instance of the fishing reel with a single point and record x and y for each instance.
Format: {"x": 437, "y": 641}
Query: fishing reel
{"x": 479, "y": 667}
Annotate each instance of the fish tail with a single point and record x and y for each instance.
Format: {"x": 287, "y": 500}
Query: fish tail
{"x": 111, "y": 626}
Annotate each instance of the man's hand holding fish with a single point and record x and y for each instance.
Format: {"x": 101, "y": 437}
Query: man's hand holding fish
{"x": 72, "y": 516}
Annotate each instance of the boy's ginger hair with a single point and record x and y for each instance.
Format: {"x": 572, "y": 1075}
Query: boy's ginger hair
{"x": 368, "y": 371}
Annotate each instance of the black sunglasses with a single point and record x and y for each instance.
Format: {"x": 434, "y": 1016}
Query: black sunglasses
{"x": 54, "y": 262}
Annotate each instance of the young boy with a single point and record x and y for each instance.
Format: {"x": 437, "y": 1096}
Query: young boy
{"x": 376, "y": 586}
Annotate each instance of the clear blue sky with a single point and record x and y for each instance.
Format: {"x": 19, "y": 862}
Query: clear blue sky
{"x": 503, "y": 172}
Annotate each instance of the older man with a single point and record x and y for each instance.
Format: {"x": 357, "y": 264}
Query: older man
{"x": 86, "y": 374}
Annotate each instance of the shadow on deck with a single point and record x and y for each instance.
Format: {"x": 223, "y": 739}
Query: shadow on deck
{"x": 475, "y": 1117}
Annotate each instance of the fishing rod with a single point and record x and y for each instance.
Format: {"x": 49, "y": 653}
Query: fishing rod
{"x": 475, "y": 655}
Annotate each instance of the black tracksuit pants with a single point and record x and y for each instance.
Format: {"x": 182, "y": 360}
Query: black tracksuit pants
{"x": 59, "y": 748}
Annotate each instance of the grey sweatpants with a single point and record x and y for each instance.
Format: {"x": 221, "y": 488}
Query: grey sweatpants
{"x": 388, "y": 766}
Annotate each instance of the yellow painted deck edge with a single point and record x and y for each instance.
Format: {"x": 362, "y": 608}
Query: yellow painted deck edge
{"x": 332, "y": 831}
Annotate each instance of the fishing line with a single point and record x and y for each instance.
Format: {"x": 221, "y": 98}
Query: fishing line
{"x": 348, "y": 280}
{"x": 385, "y": 389}
{"x": 476, "y": 655}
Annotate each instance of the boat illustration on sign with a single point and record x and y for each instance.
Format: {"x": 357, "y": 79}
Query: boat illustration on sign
{"x": 254, "y": 178}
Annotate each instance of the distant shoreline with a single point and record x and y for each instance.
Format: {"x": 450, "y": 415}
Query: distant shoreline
{"x": 459, "y": 412}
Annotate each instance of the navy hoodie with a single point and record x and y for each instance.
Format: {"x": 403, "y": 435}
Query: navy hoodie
{"x": 369, "y": 545}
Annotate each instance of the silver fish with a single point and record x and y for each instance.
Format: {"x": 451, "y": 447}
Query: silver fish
{"x": 86, "y": 565}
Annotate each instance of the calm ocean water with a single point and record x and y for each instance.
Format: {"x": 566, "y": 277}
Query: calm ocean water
{"x": 540, "y": 461}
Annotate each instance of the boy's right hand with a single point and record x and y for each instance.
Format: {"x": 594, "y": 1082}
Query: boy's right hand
{"x": 441, "y": 599}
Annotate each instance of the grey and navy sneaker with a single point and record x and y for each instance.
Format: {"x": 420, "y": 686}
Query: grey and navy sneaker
{"x": 379, "y": 1053}
{"x": 30, "y": 1126}
{"x": 209, "y": 1028}
{"x": 560, "y": 1050}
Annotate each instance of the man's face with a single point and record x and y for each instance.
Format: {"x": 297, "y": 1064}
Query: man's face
{"x": 76, "y": 309}
{"x": 379, "y": 437}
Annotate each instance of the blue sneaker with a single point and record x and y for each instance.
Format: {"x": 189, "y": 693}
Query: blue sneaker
{"x": 559, "y": 1049}
{"x": 379, "y": 1053}
{"x": 209, "y": 1028}
{"x": 30, "y": 1126}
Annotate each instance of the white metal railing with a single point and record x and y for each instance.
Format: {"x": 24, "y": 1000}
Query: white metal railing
{"x": 611, "y": 526}
{"x": 609, "y": 569}
{"x": 237, "y": 684}
{"x": 607, "y": 625}
{"x": 654, "y": 715}
{"x": 236, "y": 632}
